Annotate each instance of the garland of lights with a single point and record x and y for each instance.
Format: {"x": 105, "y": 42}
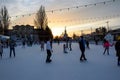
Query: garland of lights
{"x": 69, "y": 8}
{"x": 86, "y": 20}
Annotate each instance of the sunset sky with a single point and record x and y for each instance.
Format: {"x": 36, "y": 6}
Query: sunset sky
{"x": 63, "y": 13}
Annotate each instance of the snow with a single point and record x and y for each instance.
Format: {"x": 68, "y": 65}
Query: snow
{"x": 29, "y": 64}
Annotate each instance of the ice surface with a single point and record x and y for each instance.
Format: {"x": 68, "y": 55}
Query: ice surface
{"x": 29, "y": 64}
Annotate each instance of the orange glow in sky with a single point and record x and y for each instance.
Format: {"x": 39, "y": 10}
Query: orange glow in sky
{"x": 75, "y": 20}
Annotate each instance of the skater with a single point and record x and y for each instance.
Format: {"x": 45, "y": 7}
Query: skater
{"x": 49, "y": 50}
{"x": 23, "y": 43}
{"x": 1, "y": 49}
{"x": 82, "y": 48}
{"x": 42, "y": 45}
{"x": 70, "y": 45}
{"x": 64, "y": 48}
{"x": 106, "y": 46}
{"x": 117, "y": 48}
{"x": 12, "y": 47}
{"x": 87, "y": 44}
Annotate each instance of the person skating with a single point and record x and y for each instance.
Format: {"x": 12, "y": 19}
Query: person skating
{"x": 70, "y": 45}
{"x": 23, "y": 42}
{"x": 64, "y": 48}
{"x": 1, "y": 49}
{"x": 12, "y": 47}
{"x": 49, "y": 50}
{"x": 82, "y": 48}
{"x": 106, "y": 46}
{"x": 42, "y": 45}
{"x": 117, "y": 48}
{"x": 87, "y": 44}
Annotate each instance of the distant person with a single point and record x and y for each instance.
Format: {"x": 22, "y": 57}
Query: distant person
{"x": 82, "y": 48}
{"x": 1, "y": 49}
{"x": 87, "y": 44}
{"x": 12, "y": 47}
{"x": 96, "y": 40}
{"x": 23, "y": 42}
{"x": 58, "y": 41}
{"x": 106, "y": 46}
{"x": 49, "y": 51}
{"x": 42, "y": 45}
{"x": 64, "y": 48}
{"x": 70, "y": 45}
{"x": 117, "y": 48}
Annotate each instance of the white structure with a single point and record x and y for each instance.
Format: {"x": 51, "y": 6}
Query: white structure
{"x": 109, "y": 38}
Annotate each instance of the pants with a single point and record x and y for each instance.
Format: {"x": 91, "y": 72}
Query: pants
{"x": 82, "y": 55}
{"x": 12, "y": 49}
{"x": 48, "y": 56}
{"x": 106, "y": 49}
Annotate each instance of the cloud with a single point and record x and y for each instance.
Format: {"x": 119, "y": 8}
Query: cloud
{"x": 21, "y": 7}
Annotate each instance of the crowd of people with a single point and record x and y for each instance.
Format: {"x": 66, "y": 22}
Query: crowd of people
{"x": 83, "y": 44}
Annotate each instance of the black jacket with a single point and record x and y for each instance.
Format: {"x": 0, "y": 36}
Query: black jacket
{"x": 117, "y": 48}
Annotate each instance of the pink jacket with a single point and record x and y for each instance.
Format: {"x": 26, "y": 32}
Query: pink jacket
{"x": 106, "y": 44}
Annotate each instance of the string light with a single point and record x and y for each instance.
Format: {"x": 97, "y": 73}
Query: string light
{"x": 84, "y": 20}
{"x": 69, "y": 8}
{"x": 90, "y": 19}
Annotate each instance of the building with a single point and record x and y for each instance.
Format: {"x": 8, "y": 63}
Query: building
{"x": 115, "y": 33}
{"x": 22, "y": 30}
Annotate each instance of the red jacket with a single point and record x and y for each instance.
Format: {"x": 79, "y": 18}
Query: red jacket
{"x": 107, "y": 44}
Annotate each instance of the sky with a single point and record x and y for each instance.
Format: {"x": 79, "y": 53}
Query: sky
{"x": 84, "y": 18}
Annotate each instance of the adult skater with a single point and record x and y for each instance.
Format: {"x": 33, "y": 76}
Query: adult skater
{"x": 49, "y": 50}
{"x": 117, "y": 48}
{"x": 1, "y": 49}
{"x": 82, "y": 48}
{"x": 12, "y": 47}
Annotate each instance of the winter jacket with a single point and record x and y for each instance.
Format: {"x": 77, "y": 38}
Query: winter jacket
{"x": 107, "y": 44}
{"x": 12, "y": 44}
{"x": 82, "y": 44}
{"x": 117, "y": 48}
{"x": 48, "y": 46}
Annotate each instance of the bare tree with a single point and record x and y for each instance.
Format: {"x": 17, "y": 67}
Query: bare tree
{"x": 41, "y": 18}
{"x": 5, "y": 21}
{"x": 1, "y": 28}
